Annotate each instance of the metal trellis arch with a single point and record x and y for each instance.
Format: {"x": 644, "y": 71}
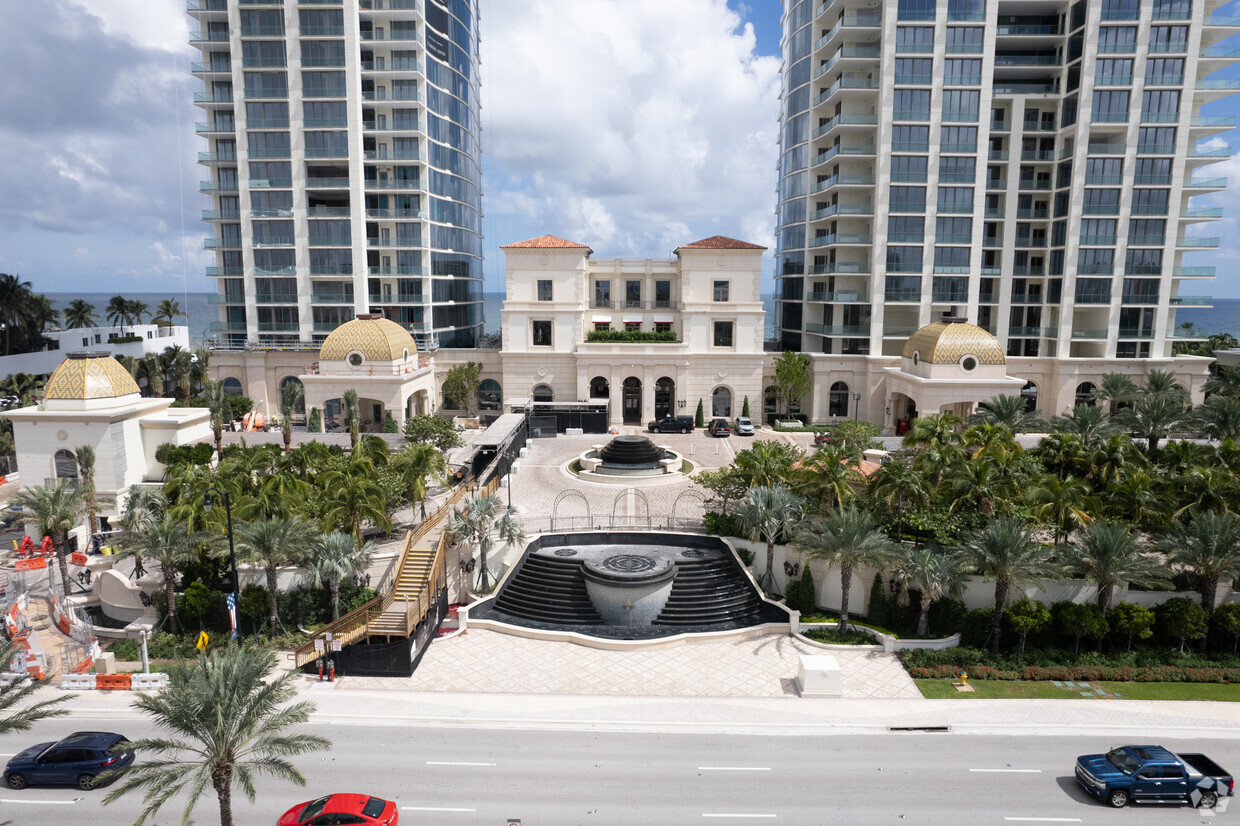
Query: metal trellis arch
{"x": 696, "y": 494}
{"x": 616, "y": 503}
{"x": 564, "y": 494}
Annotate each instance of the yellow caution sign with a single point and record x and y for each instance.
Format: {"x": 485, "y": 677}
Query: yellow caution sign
{"x": 202, "y": 641}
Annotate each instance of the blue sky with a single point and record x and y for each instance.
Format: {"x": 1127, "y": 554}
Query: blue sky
{"x": 629, "y": 125}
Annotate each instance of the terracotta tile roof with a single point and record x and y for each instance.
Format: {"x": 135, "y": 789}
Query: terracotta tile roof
{"x": 719, "y": 242}
{"x": 545, "y": 242}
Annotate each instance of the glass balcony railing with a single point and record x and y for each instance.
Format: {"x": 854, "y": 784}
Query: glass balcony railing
{"x": 398, "y": 298}
{"x": 902, "y": 295}
{"x": 1191, "y": 300}
{"x": 1093, "y": 298}
{"x": 331, "y": 298}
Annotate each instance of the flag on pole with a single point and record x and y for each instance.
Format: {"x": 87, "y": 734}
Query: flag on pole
{"x": 232, "y": 614}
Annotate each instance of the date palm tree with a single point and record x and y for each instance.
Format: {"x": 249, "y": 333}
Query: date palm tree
{"x": 1219, "y": 417}
{"x": 15, "y": 296}
{"x": 1007, "y": 553}
{"x": 935, "y": 429}
{"x": 766, "y": 462}
{"x": 481, "y": 521}
{"x": 898, "y": 486}
{"x": 351, "y": 498}
{"x": 846, "y": 538}
{"x": 85, "y": 455}
{"x": 117, "y": 312}
{"x": 1224, "y": 381}
{"x": 1106, "y": 553}
{"x": 1154, "y": 416}
{"x": 177, "y": 366}
{"x": 1088, "y": 422}
{"x": 827, "y": 477}
{"x": 1061, "y": 452}
{"x": 54, "y": 509}
{"x": 138, "y": 311}
{"x": 217, "y": 404}
{"x": 418, "y": 464}
{"x": 981, "y": 483}
{"x": 1011, "y": 411}
{"x": 16, "y": 712}
{"x": 271, "y": 544}
{"x": 169, "y": 544}
{"x": 151, "y": 368}
{"x": 1136, "y": 499}
{"x": 290, "y": 394}
{"x": 1210, "y": 545}
{"x": 80, "y": 313}
{"x": 166, "y": 311}
{"x": 933, "y": 573}
{"x": 21, "y": 385}
{"x": 1114, "y": 390}
{"x": 1065, "y": 503}
{"x": 767, "y": 513}
{"x": 333, "y": 559}
{"x": 227, "y": 721}
{"x": 353, "y": 416}
{"x": 1164, "y": 384}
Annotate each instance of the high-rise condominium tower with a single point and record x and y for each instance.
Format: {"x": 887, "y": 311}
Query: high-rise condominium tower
{"x": 1030, "y": 166}
{"x": 343, "y": 158}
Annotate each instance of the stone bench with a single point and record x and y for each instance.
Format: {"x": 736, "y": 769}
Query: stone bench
{"x": 819, "y": 676}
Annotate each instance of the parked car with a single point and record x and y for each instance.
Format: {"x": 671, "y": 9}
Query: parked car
{"x": 744, "y": 427}
{"x": 672, "y": 424}
{"x": 342, "y": 808}
{"x": 1153, "y": 774}
{"x": 76, "y": 760}
{"x": 719, "y": 427}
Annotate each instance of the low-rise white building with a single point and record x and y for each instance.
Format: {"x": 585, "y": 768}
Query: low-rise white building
{"x": 155, "y": 338}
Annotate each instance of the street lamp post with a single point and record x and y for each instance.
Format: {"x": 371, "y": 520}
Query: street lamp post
{"x": 232, "y": 553}
{"x": 856, "y": 405}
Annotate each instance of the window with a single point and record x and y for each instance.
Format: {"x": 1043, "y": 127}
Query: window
{"x": 1117, "y": 39}
{"x": 632, "y": 326}
{"x": 953, "y": 230}
{"x": 1114, "y": 72}
{"x": 1168, "y": 38}
{"x": 544, "y": 289}
{"x": 1110, "y": 106}
{"x": 490, "y": 395}
{"x": 602, "y": 294}
{"x": 1093, "y": 290}
{"x": 721, "y": 402}
{"x": 1152, "y": 171}
{"x": 951, "y": 258}
{"x": 906, "y": 229}
{"x": 543, "y": 393}
{"x": 633, "y": 295}
{"x": 965, "y": 39}
{"x": 66, "y": 465}
{"x": 723, "y": 333}
{"x": 915, "y": 10}
{"x": 1147, "y": 231}
{"x": 721, "y": 290}
{"x": 908, "y": 199}
{"x": 1150, "y": 201}
{"x": 912, "y": 104}
{"x": 1160, "y": 106}
{"x": 962, "y": 71}
{"x": 1085, "y": 394}
{"x": 958, "y": 139}
{"x": 1095, "y": 261}
{"x": 914, "y": 39}
{"x": 1097, "y": 230}
{"x": 961, "y": 104}
{"x": 602, "y": 326}
{"x": 837, "y": 401}
{"x": 663, "y": 326}
{"x": 955, "y": 199}
{"x": 908, "y": 168}
{"x": 542, "y": 333}
{"x": 266, "y": 84}
{"x": 954, "y": 169}
{"x": 914, "y": 70}
{"x": 1143, "y": 262}
{"x": 1167, "y": 70}
{"x": 662, "y": 294}
{"x": 910, "y": 138}
{"x": 904, "y": 259}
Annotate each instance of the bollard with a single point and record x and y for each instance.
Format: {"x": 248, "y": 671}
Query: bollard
{"x": 331, "y": 673}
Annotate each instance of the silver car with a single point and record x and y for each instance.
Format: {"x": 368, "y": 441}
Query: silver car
{"x": 743, "y": 426}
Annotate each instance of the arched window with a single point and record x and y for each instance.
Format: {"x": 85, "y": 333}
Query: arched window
{"x": 1085, "y": 394}
{"x": 543, "y": 393}
{"x": 232, "y": 387}
{"x": 299, "y": 409}
{"x": 837, "y": 401}
{"x": 721, "y": 402}
{"x": 490, "y": 395}
{"x": 1030, "y": 394}
{"x": 770, "y": 401}
{"x": 600, "y": 388}
{"x": 66, "y": 465}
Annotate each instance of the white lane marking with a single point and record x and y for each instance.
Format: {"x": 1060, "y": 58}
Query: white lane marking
{"x": 433, "y": 809}
{"x": 1045, "y": 819}
{"x": 449, "y": 763}
{"x": 734, "y": 768}
{"x": 706, "y": 814}
{"x": 39, "y": 802}
{"x": 1010, "y": 771}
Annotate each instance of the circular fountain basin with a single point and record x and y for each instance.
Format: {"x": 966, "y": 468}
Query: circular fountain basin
{"x": 630, "y": 460}
{"x": 629, "y": 589}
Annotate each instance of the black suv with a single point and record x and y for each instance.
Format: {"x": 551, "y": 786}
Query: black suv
{"x": 719, "y": 427}
{"x": 672, "y": 424}
{"x": 75, "y": 761}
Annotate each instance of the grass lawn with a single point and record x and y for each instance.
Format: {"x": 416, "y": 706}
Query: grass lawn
{"x": 1046, "y": 690}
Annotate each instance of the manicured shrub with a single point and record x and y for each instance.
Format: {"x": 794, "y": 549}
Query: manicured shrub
{"x": 722, "y": 524}
{"x": 1182, "y": 619}
{"x": 807, "y": 592}
{"x": 878, "y": 609}
{"x": 1025, "y": 617}
{"x": 745, "y": 408}
{"x": 254, "y": 609}
{"x": 389, "y": 423}
{"x": 1130, "y": 621}
{"x": 314, "y": 422}
{"x": 947, "y": 616}
{"x": 1226, "y": 623}
{"x": 699, "y": 418}
{"x": 977, "y": 627}
{"x": 1079, "y": 620}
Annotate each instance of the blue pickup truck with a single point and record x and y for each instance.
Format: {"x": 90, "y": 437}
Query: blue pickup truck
{"x": 1153, "y": 774}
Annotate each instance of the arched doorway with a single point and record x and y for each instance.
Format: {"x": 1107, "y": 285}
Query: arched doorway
{"x": 903, "y": 410}
{"x": 664, "y": 397}
{"x": 490, "y": 395}
{"x": 1030, "y": 394}
{"x": 721, "y": 402}
{"x": 299, "y": 409}
{"x": 1084, "y": 394}
{"x": 632, "y": 401}
{"x": 543, "y": 393}
{"x": 837, "y": 401}
{"x": 600, "y": 387}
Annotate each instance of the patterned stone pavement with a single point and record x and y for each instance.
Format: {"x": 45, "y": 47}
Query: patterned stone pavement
{"x": 488, "y": 662}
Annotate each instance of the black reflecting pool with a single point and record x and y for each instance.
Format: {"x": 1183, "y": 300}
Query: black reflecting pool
{"x": 629, "y": 586}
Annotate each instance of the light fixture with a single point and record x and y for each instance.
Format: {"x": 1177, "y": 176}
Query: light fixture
{"x": 792, "y": 569}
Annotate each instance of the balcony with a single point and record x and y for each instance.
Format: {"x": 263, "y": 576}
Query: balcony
{"x": 840, "y": 268}
{"x": 1160, "y": 117}
{"x": 321, "y": 31}
{"x": 398, "y": 298}
{"x": 398, "y": 270}
{"x": 1198, "y": 243}
{"x": 1025, "y": 241}
{"x": 1026, "y": 88}
{"x": 275, "y": 298}
{"x": 274, "y": 241}
{"x": 1100, "y": 209}
{"x": 1113, "y": 80}
{"x": 909, "y": 177}
{"x": 235, "y": 298}
{"x": 278, "y": 153}
{"x": 217, "y": 128}
{"x": 1190, "y": 333}
{"x": 328, "y": 212}
{"x": 916, "y": 80}
{"x": 1026, "y": 184}
{"x": 217, "y": 186}
{"x": 962, "y": 80}
{"x": 1135, "y": 332}
{"x": 1037, "y": 155}
{"x": 331, "y": 298}
{"x": 1095, "y": 269}
{"x": 1193, "y": 272}
{"x": 327, "y": 183}
{"x": 264, "y": 63}
{"x": 949, "y": 296}
{"x": 331, "y": 241}
{"x": 1092, "y": 298}
{"x": 327, "y": 152}
{"x": 1139, "y": 298}
{"x": 262, "y": 31}
{"x": 272, "y": 183}
{"x": 1202, "y": 212}
{"x": 1207, "y": 183}
{"x": 906, "y": 206}
{"x": 1212, "y": 121}
{"x": 1034, "y": 214}
{"x": 227, "y": 327}
{"x": 386, "y": 95}
{"x": 838, "y": 330}
{"x": 843, "y": 180}
{"x": 278, "y": 327}
{"x": 1090, "y": 333}
{"x": 1191, "y": 301}
{"x": 218, "y": 215}
{"x": 842, "y": 209}
{"x": 902, "y": 296}
{"x": 950, "y": 238}
{"x": 954, "y": 209}
{"x": 224, "y": 272}
{"x": 1171, "y": 47}
{"x": 1146, "y": 240}
{"x": 1108, "y": 117}
{"x": 843, "y": 83}
{"x": 1221, "y": 152}
{"x": 1117, "y": 48}
{"x": 397, "y": 214}
{"x": 221, "y": 244}
{"x": 392, "y": 36}
{"x": 392, "y": 155}
{"x": 1026, "y": 332}
{"x": 217, "y": 157}
{"x": 906, "y": 146}
{"x": 1164, "y": 80}
{"x": 331, "y": 269}
{"x": 911, "y": 115}
{"x": 1029, "y": 270}
{"x": 840, "y": 297}
{"x": 960, "y": 116}
{"x": 1007, "y": 60}
{"x": 968, "y": 148}
{"x": 1150, "y": 180}
{"x": 842, "y": 238}
{"x": 1026, "y": 298}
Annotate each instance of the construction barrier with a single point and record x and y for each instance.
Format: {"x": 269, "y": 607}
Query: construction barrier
{"x": 33, "y": 564}
{"x": 77, "y": 682}
{"x": 77, "y": 558}
{"x": 112, "y": 682}
{"x": 144, "y": 682}
{"x": 9, "y": 677}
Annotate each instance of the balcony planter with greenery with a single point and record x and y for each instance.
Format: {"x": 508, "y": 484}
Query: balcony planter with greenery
{"x": 631, "y": 337}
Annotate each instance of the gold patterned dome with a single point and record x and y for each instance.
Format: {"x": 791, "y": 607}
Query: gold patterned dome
{"x": 949, "y": 340}
{"x": 90, "y": 376}
{"x": 375, "y": 337}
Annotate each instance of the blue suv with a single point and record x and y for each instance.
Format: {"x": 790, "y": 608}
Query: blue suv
{"x": 75, "y": 760}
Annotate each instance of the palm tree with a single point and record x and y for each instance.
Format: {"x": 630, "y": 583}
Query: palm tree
{"x": 766, "y": 462}
{"x": 846, "y": 538}
{"x": 353, "y": 416}
{"x": 1065, "y": 503}
{"x": 1114, "y": 390}
{"x": 334, "y": 558}
{"x": 1135, "y": 499}
{"x": 765, "y": 514}
{"x": 982, "y": 484}
{"x": 1224, "y": 381}
{"x": 1107, "y": 554}
{"x": 1154, "y": 416}
{"x": 482, "y": 521}
{"x": 986, "y": 439}
{"x": 41, "y": 314}
{"x": 1006, "y": 552}
{"x": 1210, "y": 545}
{"x": 85, "y": 456}
{"x": 166, "y": 311}
{"x": 935, "y": 429}
{"x": 137, "y": 311}
{"x": 200, "y": 366}
{"x": 1011, "y": 411}
{"x": 21, "y": 385}
{"x": 278, "y": 495}
{"x": 217, "y": 403}
{"x": 177, "y": 365}
{"x": 226, "y": 720}
{"x": 15, "y": 297}
{"x": 17, "y": 693}
{"x": 350, "y": 498}
{"x": 168, "y": 543}
{"x": 290, "y": 394}
{"x": 1164, "y": 384}
{"x": 8, "y": 446}
{"x": 152, "y": 369}
{"x": 1112, "y": 458}
{"x": 271, "y": 544}
{"x": 80, "y": 313}
{"x": 1088, "y": 422}
{"x": 54, "y": 510}
{"x": 1219, "y": 417}
{"x": 897, "y": 485}
{"x": 144, "y": 506}
{"x": 417, "y": 464}
{"x": 117, "y": 312}
{"x": 933, "y": 573}
{"x": 828, "y": 477}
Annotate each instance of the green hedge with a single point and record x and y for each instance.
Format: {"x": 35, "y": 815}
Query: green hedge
{"x": 632, "y": 337}
{"x": 1110, "y": 673}
{"x": 1153, "y": 663}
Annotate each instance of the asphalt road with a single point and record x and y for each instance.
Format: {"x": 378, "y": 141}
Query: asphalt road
{"x": 546, "y": 778}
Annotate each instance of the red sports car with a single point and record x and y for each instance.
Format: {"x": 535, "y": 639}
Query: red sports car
{"x": 342, "y": 808}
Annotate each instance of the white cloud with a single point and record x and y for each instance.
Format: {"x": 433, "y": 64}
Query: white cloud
{"x": 629, "y": 125}
{"x": 151, "y": 24}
